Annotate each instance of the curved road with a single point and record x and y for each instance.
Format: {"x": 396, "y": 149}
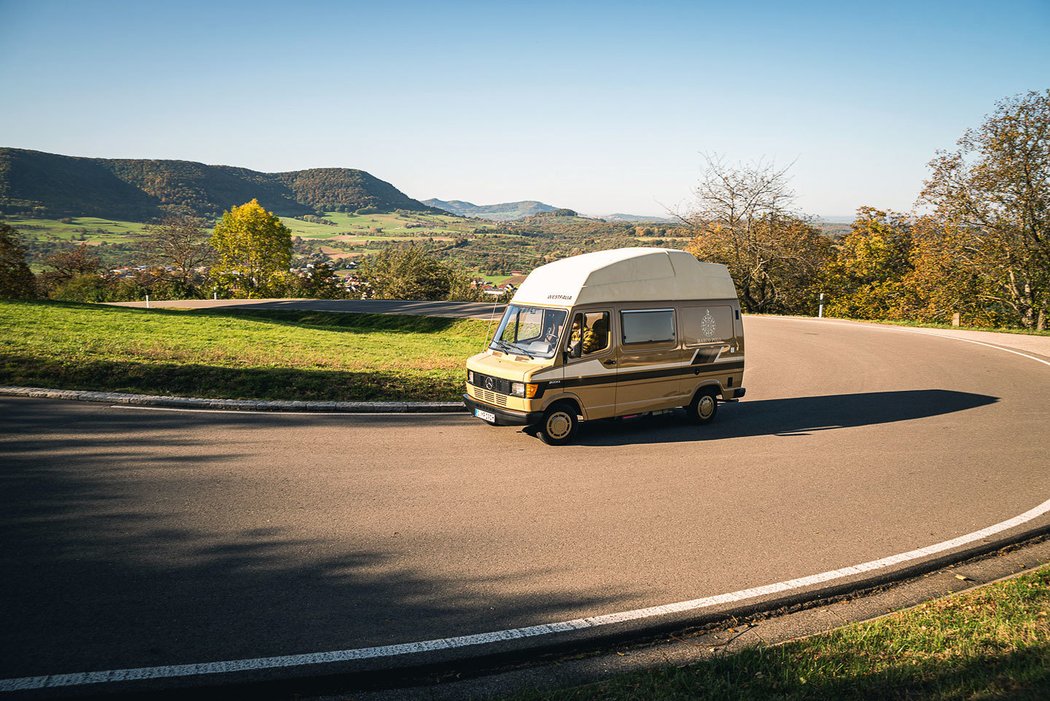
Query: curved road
{"x": 136, "y": 538}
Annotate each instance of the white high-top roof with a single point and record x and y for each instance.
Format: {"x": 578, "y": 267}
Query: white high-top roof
{"x": 625, "y": 275}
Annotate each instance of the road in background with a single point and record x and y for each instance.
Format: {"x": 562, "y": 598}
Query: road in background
{"x": 458, "y": 310}
{"x": 478, "y": 310}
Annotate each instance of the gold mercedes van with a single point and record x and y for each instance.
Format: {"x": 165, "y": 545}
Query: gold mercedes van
{"x": 612, "y": 333}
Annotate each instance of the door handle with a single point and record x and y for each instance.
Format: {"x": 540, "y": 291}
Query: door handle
{"x": 609, "y": 361}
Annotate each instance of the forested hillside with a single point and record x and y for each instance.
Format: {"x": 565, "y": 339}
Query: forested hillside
{"x": 45, "y": 185}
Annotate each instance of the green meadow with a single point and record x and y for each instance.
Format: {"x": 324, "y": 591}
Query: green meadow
{"x": 380, "y": 226}
{"x": 350, "y": 235}
{"x": 89, "y": 229}
{"x": 392, "y": 224}
{"x": 236, "y": 354}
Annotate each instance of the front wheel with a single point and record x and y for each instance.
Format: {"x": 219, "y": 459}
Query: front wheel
{"x": 559, "y": 425}
{"x": 704, "y": 407}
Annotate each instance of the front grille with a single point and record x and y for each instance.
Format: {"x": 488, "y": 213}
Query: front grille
{"x": 491, "y": 397}
{"x": 491, "y": 384}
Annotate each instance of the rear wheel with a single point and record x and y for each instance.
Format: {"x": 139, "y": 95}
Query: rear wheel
{"x": 559, "y": 424}
{"x": 704, "y": 407}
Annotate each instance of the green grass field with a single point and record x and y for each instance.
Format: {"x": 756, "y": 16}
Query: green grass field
{"x": 992, "y": 643}
{"x": 352, "y": 234}
{"x": 496, "y": 279}
{"x": 358, "y": 229}
{"x": 389, "y": 225}
{"x": 94, "y": 230}
{"x": 235, "y": 354}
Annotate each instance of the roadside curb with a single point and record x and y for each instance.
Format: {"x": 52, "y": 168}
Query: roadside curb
{"x": 159, "y": 401}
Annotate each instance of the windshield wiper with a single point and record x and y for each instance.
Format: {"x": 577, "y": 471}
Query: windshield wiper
{"x": 510, "y": 347}
{"x": 501, "y": 345}
{"x": 525, "y": 352}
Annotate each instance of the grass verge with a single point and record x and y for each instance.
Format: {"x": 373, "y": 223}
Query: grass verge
{"x": 296, "y": 355}
{"x": 990, "y": 643}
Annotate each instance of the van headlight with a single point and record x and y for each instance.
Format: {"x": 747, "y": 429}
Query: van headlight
{"x": 526, "y": 390}
{"x": 470, "y": 376}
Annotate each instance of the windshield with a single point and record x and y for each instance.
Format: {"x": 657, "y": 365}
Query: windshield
{"x": 532, "y": 331}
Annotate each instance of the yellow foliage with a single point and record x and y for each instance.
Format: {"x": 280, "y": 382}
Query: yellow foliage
{"x": 254, "y": 248}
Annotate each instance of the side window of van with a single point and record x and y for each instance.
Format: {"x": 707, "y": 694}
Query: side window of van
{"x": 647, "y": 325}
{"x": 590, "y": 332}
{"x": 596, "y": 332}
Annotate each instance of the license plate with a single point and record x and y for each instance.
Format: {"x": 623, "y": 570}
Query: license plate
{"x": 485, "y": 415}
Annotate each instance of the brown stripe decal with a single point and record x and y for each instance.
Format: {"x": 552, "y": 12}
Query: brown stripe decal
{"x": 642, "y": 375}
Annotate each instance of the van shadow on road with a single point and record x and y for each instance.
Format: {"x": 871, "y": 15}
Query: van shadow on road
{"x": 794, "y": 416}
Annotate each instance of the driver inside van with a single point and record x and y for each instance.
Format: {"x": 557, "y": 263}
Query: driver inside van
{"x": 594, "y": 337}
{"x": 575, "y": 335}
{"x": 597, "y": 337}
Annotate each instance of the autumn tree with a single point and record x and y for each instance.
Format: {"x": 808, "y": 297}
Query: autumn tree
{"x": 179, "y": 245}
{"x": 742, "y": 219}
{"x": 994, "y": 192}
{"x": 253, "y": 249}
{"x": 949, "y": 276}
{"x": 72, "y": 268}
{"x": 16, "y": 280}
{"x": 865, "y": 278}
{"x": 405, "y": 271}
{"x": 72, "y": 261}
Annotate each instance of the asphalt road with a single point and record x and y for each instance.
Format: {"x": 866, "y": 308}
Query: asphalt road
{"x": 131, "y": 537}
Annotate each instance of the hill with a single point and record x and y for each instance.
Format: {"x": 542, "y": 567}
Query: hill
{"x": 637, "y": 218}
{"x": 47, "y": 185}
{"x": 505, "y": 211}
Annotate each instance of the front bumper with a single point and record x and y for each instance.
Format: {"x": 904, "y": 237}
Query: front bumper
{"x": 504, "y": 417}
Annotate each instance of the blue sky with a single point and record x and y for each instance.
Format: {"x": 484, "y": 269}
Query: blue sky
{"x": 602, "y": 107}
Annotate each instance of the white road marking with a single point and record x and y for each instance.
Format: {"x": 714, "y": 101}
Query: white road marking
{"x": 294, "y": 413}
{"x": 934, "y": 332}
{"x": 990, "y": 345}
{"x": 364, "y": 653}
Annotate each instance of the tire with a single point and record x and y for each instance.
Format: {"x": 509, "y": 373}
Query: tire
{"x": 559, "y": 424}
{"x": 704, "y": 407}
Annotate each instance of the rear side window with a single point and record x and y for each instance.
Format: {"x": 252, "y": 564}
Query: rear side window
{"x": 707, "y": 324}
{"x": 647, "y": 325}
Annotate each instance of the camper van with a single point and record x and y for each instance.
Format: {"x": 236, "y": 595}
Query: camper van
{"x": 611, "y": 334}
